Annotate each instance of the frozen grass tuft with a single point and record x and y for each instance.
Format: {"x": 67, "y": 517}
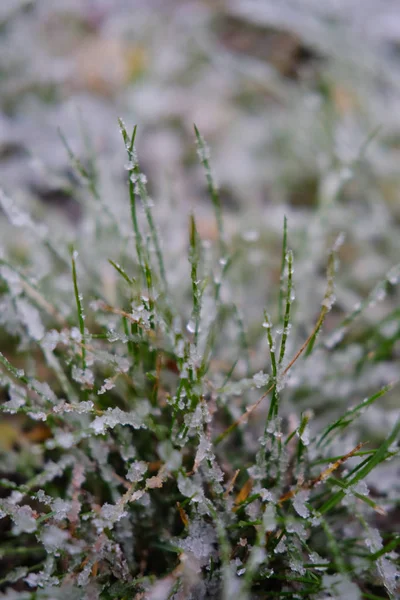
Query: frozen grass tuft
{"x": 157, "y": 444}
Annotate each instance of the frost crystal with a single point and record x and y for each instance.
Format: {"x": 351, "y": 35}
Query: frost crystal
{"x": 190, "y": 488}
{"x": 85, "y": 406}
{"x": 43, "y": 388}
{"x": 281, "y": 547}
{"x": 202, "y": 451}
{"x": 137, "y": 470}
{"x": 84, "y": 376}
{"x": 201, "y": 542}
{"x": 54, "y": 538}
{"x": 340, "y": 587}
{"x": 269, "y": 518}
{"x": 107, "y": 385}
{"x": 17, "y": 399}
{"x": 299, "y": 503}
{"x": 320, "y": 563}
{"x": 305, "y": 435}
{"x": 61, "y": 509}
{"x": 64, "y": 439}
{"x": 24, "y": 521}
{"x": 191, "y": 326}
{"x": 266, "y": 495}
{"x": 297, "y": 566}
{"x": 50, "y": 340}
{"x": 260, "y": 379}
{"x": 386, "y": 569}
{"x": 172, "y": 458}
{"x": 115, "y": 416}
{"x": 111, "y": 513}
{"x": 31, "y": 318}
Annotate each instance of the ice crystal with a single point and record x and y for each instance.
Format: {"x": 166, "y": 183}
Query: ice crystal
{"x": 203, "y": 450}
{"x": 137, "y": 470}
{"x": 267, "y": 495}
{"x": 43, "y": 388}
{"x": 305, "y": 435}
{"x": 17, "y": 399}
{"x": 86, "y": 406}
{"x": 111, "y": 513}
{"x": 190, "y": 488}
{"x": 296, "y": 527}
{"x": 115, "y": 416}
{"x": 340, "y": 587}
{"x": 269, "y": 518}
{"x": 54, "y": 538}
{"x": 387, "y": 570}
{"x": 320, "y": 564}
{"x": 172, "y": 458}
{"x": 24, "y": 520}
{"x": 200, "y": 542}
{"x": 61, "y": 508}
{"x": 260, "y": 379}
{"x": 84, "y": 376}
{"x": 50, "y": 340}
{"x": 299, "y": 503}
{"x": 281, "y": 547}
{"x": 63, "y": 439}
{"x": 108, "y": 384}
{"x": 37, "y": 415}
{"x": 297, "y": 566}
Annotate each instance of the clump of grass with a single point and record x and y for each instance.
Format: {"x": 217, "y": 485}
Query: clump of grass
{"x": 146, "y": 455}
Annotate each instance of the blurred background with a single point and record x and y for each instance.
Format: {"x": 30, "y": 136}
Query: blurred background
{"x": 286, "y": 93}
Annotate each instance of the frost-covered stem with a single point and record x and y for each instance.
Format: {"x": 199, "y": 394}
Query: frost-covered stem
{"x": 352, "y": 413}
{"x": 132, "y": 346}
{"x": 363, "y": 469}
{"x": 142, "y": 189}
{"x": 223, "y": 541}
{"x": 282, "y": 275}
{"x": 334, "y": 548}
{"x": 203, "y": 153}
{"x": 137, "y": 185}
{"x": 377, "y": 294}
{"x": 20, "y": 376}
{"x": 194, "y": 261}
{"x": 243, "y": 339}
{"x": 253, "y": 564}
{"x": 329, "y": 297}
{"x": 273, "y": 409}
{"x": 271, "y": 343}
{"x": 17, "y": 373}
{"x": 122, "y": 272}
{"x": 129, "y": 144}
{"x": 78, "y": 300}
{"x": 286, "y": 320}
{"x": 89, "y": 176}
